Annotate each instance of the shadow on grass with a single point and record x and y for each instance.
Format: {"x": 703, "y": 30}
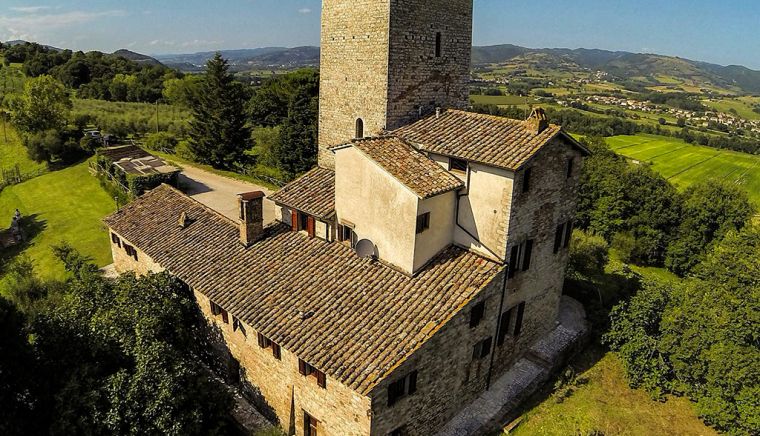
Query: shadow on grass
{"x": 598, "y": 294}
{"x": 31, "y": 226}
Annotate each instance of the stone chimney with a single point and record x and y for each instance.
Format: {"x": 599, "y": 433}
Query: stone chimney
{"x": 537, "y": 122}
{"x": 251, "y": 207}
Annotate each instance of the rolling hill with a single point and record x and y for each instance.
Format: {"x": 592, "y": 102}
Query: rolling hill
{"x": 620, "y": 64}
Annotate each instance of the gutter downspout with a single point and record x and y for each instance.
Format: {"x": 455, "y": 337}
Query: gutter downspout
{"x": 459, "y": 199}
{"x": 498, "y": 326}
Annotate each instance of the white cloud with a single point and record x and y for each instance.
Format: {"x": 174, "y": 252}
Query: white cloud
{"x": 32, "y": 25}
{"x": 30, "y": 9}
{"x": 304, "y": 11}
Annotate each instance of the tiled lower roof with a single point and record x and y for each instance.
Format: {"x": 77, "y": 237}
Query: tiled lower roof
{"x": 410, "y": 167}
{"x": 487, "y": 139}
{"x": 352, "y": 318}
{"x": 313, "y": 193}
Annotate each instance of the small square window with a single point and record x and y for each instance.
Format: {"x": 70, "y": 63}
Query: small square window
{"x": 476, "y": 316}
{"x": 458, "y": 165}
{"x": 423, "y": 222}
{"x": 482, "y": 349}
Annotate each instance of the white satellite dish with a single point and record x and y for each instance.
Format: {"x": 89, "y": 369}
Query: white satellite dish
{"x": 365, "y": 248}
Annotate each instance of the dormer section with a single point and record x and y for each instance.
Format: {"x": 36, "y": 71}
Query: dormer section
{"x": 396, "y": 198}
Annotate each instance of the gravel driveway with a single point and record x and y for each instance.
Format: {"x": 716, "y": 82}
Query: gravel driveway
{"x": 220, "y": 193}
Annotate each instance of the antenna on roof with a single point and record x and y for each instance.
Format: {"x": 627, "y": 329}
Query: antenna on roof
{"x": 365, "y": 249}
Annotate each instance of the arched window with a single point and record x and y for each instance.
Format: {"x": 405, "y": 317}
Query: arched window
{"x": 438, "y": 44}
{"x": 359, "y": 128}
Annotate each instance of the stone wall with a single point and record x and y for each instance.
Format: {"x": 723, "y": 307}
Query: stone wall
{"x": 536, "y": 215}
{"x": 278, "y": 388}
{"x": 420, "y": 81}
{"x": 448, "y": 376}
{"x": 353, "y": 71}
{"x": 124, "y": 263}
{"x": 379, "y": 64}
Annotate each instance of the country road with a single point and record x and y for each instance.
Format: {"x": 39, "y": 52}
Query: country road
{"x": 219, "y": 192}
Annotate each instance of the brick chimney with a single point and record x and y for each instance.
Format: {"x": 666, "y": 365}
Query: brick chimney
{"x": 251, "y": 207}
{"x": 537, "y": 122}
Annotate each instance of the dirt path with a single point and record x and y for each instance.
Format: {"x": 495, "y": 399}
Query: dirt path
{"x": 219, "y": 192}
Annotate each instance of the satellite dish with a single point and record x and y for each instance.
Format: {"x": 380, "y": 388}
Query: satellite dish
{"x": 365, "y": 248}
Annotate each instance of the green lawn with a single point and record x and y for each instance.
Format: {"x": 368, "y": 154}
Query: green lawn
{"x": 603, "y": 403}
{"x": 685, "y": 164}
{"x": 13, "y": 153}
{"x": 67, "y": 205}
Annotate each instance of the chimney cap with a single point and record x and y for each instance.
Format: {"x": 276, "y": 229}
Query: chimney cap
{"x": 248, "y": 196}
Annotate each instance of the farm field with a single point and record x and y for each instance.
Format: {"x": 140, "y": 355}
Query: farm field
{"x": 66, "y": 205}
{"x": 684, "y": 164}
{"x": 502, "y": 100}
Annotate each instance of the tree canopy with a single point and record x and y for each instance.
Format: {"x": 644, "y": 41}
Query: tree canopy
{"x": 44, "y": 105}
{"x": 118, "y": 357}
{"x": 700, "y": 337}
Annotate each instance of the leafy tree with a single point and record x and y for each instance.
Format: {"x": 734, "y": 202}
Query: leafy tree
{"x": 615, "y": 197}
{"x": 44, "y": 105}
{"x": 18, "y": 390}
{"x": 269, "y": 105}
{"x": 296, "y": 151}
{"x": 165, "y": 142}
{"x": 115, "y": 357}
{"x": 218, "y": 132}
{"x": 181, "y": 91}
{"x": 711, "y": 209}
{"x": 699, "y": 337}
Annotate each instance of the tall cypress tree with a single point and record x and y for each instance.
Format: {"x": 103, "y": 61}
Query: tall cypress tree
{"x": 218, "y": 131}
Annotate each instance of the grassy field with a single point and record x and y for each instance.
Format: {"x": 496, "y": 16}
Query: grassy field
{"x": 743, "y": 107}
{"x": 603, "y": 403}
{"x": 13, "y": 153}
{"x": 501, "y": 100}
{"x": 66, "y": 205}
{"x": 685, "y": 164}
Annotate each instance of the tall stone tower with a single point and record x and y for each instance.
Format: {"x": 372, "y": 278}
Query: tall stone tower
{"x": 385, "y": 63}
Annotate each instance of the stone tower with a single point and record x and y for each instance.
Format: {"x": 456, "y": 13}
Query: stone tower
{"x": 385, "y": 63}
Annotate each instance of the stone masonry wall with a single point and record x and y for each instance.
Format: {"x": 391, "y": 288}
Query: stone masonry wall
{"x": 124, "y": 263}
{"x": 379, "y": 64}
{"x": 280, "y": 390}
{"x": 353, "y": 71}
{"x": 418, "y": 80}
{"x": 448, "y": 376}
{"x": 550, "y": 202}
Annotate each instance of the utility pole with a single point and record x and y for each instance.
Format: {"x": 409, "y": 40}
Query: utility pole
{"x": 5, "y": 132}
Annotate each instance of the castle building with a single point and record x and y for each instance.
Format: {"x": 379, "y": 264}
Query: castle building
{"x": 422, "y": 257}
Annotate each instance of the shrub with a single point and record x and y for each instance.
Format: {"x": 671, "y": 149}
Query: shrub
{"x": 588, "y": 254}
{"x": 165, "y": 142}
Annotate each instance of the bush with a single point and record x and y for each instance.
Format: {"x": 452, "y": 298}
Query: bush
{"x": 588, "y": 254}
{"x": 183, "y": 151}
{"x": 165, "y": 142}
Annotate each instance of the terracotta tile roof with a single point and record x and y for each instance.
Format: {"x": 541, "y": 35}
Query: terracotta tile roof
{"x": 410, "y": 167}
{"x": 313, "y": 193}
{"x": 352, "y": 318}
{"x": 487, "y": 139}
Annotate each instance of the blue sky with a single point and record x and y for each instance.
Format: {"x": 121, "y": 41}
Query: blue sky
{"x": 724, "y": 32}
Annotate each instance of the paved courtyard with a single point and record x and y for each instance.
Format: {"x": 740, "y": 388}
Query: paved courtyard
{"x": 219, "y": 192}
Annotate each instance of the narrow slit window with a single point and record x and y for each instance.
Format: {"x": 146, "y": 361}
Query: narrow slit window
{"x": 359, "y": 128}
{"x": 438, "y": 44}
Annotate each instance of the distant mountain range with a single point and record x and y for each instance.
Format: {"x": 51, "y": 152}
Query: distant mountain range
{"x": 620, "y": 64}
